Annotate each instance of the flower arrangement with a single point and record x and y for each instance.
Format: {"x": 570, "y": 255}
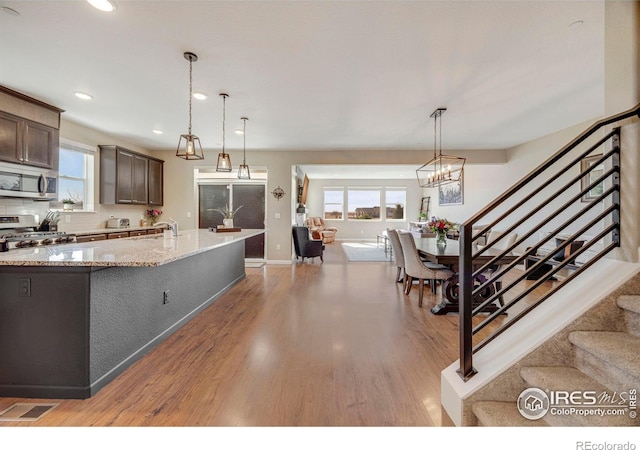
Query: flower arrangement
{"x": 227, "y": 212}
{"x": 441, "y": 227}
{"x": 153, "y": 214}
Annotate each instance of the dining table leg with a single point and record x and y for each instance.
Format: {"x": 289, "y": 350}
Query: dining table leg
{"x": 450, "y": 296}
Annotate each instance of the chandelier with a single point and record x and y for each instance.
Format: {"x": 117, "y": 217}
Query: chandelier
{"x": 224, "y": 160}
{"x": 192, "y": 148}
{"x": 243, "y": 170}
{"x": 441, "y": 169}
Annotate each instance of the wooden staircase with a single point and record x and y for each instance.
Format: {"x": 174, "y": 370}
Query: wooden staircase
{"x": 605, "y": 361}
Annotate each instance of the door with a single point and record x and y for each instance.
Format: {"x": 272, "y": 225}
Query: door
{"x": 251, "y": 215}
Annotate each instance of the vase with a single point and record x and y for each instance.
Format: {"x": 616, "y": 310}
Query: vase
{"x": 228, "y": 223}
{"x": 441, "y": 238}
{"x": 153, "y": 220}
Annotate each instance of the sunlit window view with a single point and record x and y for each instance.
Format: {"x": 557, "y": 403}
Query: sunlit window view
{"x": 74, "y": 186}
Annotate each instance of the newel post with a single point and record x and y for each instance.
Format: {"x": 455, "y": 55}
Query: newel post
{"x": 465, "y": 280}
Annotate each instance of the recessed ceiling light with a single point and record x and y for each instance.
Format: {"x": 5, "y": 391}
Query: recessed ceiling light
{"x": 576, "y": 24}
{"x": 199, "y": 95}
{"x": 10, "y": 11}
{"x": 238, "y": 131}
{"x": 156, "y": 131}
{"x": 103, "y": 5}
{"x": 83, "y": 95}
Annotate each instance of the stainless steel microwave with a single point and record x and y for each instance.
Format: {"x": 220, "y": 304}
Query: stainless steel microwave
{"x": 17, "y": 180}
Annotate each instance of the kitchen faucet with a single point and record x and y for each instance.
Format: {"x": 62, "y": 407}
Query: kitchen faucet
{"x": 171, "y": 225}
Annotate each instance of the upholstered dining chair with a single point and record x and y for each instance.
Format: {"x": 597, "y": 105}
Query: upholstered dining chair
{"x": 501, "y": 244}
{"x": 398, "y": 255}
{"x": 414, "y": 267}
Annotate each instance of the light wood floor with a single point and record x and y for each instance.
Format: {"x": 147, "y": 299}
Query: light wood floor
{"x": 333, "y": 344}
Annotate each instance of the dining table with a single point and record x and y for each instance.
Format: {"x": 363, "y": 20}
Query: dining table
{"x": 448, "y": 254}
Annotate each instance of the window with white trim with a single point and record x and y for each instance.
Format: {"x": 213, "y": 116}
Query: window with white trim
{"x": 395, "y": 201}
{"x": 75, "y": 176}
{"x": 334, "y": 203}
{"x": 363, "y": 203}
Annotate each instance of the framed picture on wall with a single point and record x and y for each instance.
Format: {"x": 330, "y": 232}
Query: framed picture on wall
{"x": 595, "y": 173}
{"x": 424, "y": 208}
{"x": 450, "y": 194}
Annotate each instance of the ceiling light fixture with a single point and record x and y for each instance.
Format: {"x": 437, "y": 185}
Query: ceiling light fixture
{"x": 243, "y": 170}
{"x": 199, "y": 95}
{"x": 83, "y": 95}
{"x": 224, "y": 160}
{"x": 441, "y": 169}
{"x": 156, "y": 131}
{"x": 103, "y": 5}
{"x": 192, "y": 148}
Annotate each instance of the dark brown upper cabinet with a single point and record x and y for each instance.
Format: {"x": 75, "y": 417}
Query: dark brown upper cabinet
{"x": 29, "y": 130}
{"x": 127, "y": 177}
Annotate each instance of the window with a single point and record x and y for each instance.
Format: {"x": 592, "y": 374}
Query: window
{"x": 363, "y": 203}
{"x": 395, "y": 200}
{"x": 333, "y": 203}
{"x": 75, "y": 176}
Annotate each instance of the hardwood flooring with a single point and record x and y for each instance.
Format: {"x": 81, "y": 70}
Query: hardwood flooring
{"x": 312, "y": 344}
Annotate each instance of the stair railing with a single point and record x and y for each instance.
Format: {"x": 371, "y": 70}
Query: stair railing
{"x": 480, "y": 284}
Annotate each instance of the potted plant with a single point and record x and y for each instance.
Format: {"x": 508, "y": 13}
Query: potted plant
{"x": 67, "y": 203}
{"x": 153, "y": 215}
{"x": 228, "y": 214}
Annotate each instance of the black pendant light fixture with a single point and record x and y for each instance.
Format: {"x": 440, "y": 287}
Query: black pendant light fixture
{"x": 243, "y": 170}
{"x": 224, "y": 160}
{"x": 441, "y": 169}
{"x": 192, "y": 148}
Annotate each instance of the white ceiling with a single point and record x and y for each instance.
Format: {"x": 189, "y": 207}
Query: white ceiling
{"x": 313, "y": 75}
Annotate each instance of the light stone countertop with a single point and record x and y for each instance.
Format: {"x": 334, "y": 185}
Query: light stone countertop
{"x": 140, "y": 251}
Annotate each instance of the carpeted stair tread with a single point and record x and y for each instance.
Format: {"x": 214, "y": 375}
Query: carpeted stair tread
{"x": 630, "y": 303}
{"x": 616, "y": 348}
{"x": 502, "y": 414}
{"x": 559, "y": 378}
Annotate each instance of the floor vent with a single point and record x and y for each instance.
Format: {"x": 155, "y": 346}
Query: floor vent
{"x": 28, "y": 412}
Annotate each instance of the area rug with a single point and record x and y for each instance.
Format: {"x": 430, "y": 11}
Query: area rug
{"x": 364, "y": 251}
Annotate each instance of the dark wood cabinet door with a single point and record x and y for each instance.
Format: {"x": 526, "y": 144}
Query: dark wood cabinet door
{"x": 40, "y": 145}
{"x": 156, "y": 181}
{"x": 10, "y": 138}
{"x": 124, "y": 177}
{"x": 140, "y": 189}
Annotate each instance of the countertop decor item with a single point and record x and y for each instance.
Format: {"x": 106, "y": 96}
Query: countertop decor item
{"x": 153, "y": 215}
{"x": 228, "y": 214}
{"x": 192, "y": 148}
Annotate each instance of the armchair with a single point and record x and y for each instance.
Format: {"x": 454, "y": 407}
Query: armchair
{"x": 304, "y": 246}
{"x": 320, "y": 230}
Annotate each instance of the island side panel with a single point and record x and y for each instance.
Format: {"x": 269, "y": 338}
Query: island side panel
{"x": 129, "y": 315}
{"x": 44, "y": 323}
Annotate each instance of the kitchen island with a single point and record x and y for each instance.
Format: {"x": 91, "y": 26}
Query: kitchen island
{"x": 75, "y": 316}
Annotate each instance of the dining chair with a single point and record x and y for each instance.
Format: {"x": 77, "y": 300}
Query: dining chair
{"x": 502, "y": 244}
{"x": 398, "y": 255}
{"x": 414, "y": 267}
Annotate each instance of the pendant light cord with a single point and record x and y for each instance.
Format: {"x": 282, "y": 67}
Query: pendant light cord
{"x": 224, "y": 108}
{"x": 244, "y": 141}
{"x": 190, "y": 90}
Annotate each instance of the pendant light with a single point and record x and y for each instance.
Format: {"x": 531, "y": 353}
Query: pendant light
{"x": 224, "y": 160}
{"x": 243, "y": 170}
{"x": 192, "y": 148}
{"x": 441, "y": 169}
